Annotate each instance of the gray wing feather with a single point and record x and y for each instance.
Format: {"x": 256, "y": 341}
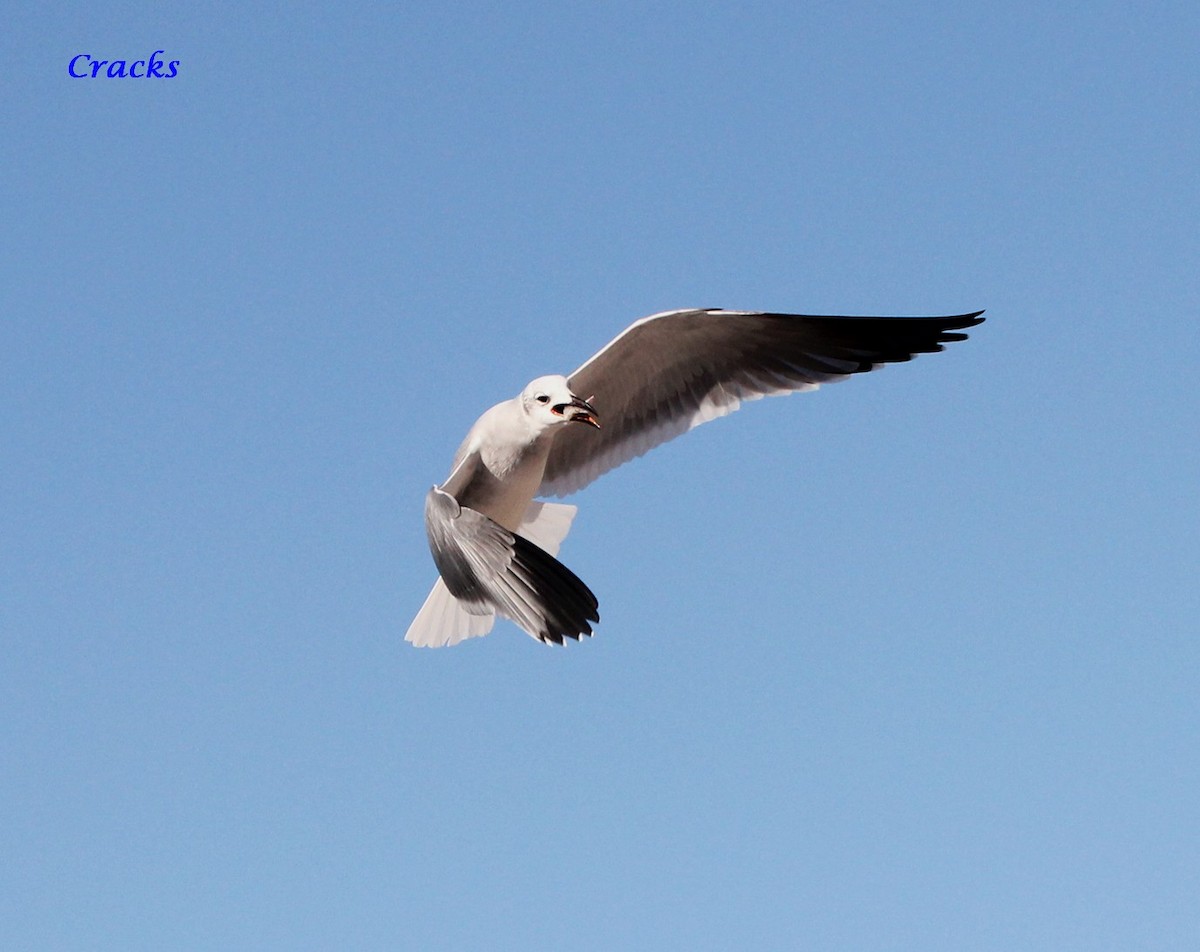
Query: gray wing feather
{"x": 673, "y": 371}
{"x": 487, "y": 568}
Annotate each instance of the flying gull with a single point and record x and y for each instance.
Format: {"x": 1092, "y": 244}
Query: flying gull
{"x": 495, "y": 546}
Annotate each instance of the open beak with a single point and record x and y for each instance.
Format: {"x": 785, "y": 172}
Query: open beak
{"x": 578, "y": 411}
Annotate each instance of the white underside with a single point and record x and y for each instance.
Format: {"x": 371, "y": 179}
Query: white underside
{"x": 443, "y": 620}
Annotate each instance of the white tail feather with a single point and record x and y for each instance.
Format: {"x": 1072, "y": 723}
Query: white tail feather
{"x": 546, "y": 524}
{"x": 444, "y": 621}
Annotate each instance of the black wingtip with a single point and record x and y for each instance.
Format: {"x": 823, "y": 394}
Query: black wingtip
{"x": 569, "y": 605}
{"x": 967, "y": 320}
{"x": 958, "y": 322}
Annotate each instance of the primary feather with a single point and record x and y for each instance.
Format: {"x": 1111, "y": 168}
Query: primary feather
{"x": 665, "y": 374}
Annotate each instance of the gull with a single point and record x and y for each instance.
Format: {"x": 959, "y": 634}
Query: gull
{"x": 494, "y": 544}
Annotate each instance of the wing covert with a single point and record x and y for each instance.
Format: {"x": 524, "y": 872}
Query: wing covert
{"x": 673, "y": 371}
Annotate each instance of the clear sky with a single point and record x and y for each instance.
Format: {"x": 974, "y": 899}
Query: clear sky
{"x": 910, "y": 663}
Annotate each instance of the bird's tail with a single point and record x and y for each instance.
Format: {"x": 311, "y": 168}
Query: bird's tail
{"x": 443, "y": 620}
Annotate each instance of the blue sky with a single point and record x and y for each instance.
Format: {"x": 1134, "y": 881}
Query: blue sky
{"x": 908, "y": 663}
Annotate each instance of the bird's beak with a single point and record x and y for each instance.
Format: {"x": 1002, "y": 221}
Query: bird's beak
{"x": 580, "y": 411}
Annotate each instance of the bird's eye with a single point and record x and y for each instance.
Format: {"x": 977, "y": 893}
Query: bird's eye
{"x": 542, "y": 398}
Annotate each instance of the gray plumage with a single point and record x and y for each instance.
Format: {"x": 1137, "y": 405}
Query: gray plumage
{"x": 494, "y": 546}
{"x": 486, "y": 567}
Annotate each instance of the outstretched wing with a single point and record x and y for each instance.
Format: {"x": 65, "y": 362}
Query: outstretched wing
{"x": 488, "y": 568}
{"x": 670, "y": 372}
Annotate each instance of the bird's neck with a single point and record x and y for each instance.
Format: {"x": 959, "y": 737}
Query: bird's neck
{"x": 522, "y": 457}
{"x": 512, "y": 454}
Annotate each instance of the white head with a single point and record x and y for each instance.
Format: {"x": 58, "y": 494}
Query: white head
{"x": 548, "y": 401}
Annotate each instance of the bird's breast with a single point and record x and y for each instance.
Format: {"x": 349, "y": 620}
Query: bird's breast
{"x": 506, "y": 483}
